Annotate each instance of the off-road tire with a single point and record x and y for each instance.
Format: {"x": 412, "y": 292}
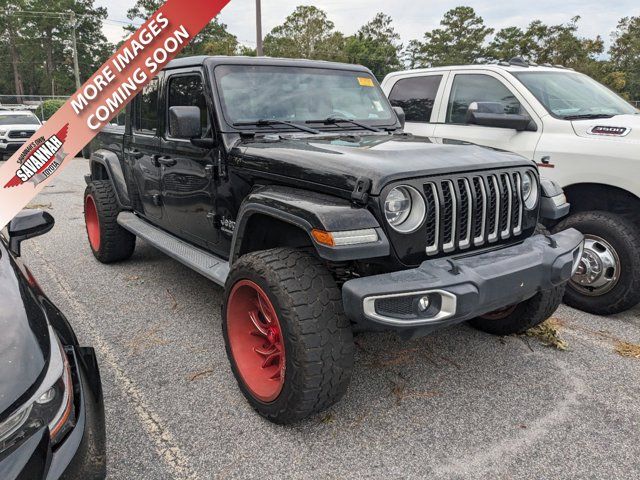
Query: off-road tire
{"x": 116, "y": 243}
{"x": 317, "y": 335}
{"x": 524, "y": 316}
{"x": 624, "y": 236}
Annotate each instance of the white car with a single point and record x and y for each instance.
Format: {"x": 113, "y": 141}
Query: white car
{"x": 581, "y": 134}
{"x": 16, "y": 127}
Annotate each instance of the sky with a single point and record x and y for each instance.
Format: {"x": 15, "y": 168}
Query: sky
{"x": 411, "y": 17}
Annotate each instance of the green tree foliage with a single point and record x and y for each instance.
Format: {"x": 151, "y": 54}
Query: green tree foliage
{"x": 554, "y": 44}
{"x": 625, "y": 56}
{"x": 459, "y": 41}
{"x": 376, "y": 45}
{"x": 214, "y": 39}
{"x": 48, "y": 108}
{"x": 37, "y": 47}
{"x": 306, "y": 33}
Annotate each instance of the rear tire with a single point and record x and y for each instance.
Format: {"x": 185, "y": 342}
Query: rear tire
{"x": 310, "y": 329}
{"x": 109, "y": 242}
{"x": 523, "y": 316}
{"x": 609, "y": 238}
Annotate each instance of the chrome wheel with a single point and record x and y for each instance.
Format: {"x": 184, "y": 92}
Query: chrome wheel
{"x": 599, "y": 268}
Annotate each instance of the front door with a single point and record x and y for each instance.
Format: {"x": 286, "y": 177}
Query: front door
{"x": 187, "y": 171}
{"x": 467, "y": 88}
{"x": 141, "y": 150}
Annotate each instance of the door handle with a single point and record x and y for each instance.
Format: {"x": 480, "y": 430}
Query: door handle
{"x": 166, "y": 161}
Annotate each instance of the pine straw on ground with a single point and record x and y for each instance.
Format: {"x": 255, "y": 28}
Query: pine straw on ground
{"x": 548, "y": 334}
{"x": 627, "y": 349}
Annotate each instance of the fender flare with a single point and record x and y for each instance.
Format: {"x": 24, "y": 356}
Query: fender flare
{"x": 311, "y": 210}
{"x": 111, "y": 164}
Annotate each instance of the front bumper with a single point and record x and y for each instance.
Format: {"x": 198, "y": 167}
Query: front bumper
{"x": 461, "y": 288}
{"x": 11, "y": 147}
{"x": 82, "y": 454}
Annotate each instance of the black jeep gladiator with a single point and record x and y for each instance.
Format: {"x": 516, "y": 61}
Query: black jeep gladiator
{"x": 291, "y": 184}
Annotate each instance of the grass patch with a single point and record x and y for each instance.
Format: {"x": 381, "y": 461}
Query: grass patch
{"x": 627, "y": 349}
{"x": 548, "y": 334}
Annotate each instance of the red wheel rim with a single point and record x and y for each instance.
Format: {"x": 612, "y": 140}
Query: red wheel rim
{"x": 255, "y": 339}
{"x": 500, "y": 314}
{"x": 92, "y": 222}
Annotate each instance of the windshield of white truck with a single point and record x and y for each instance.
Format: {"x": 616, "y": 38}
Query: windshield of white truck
{"x": 267, "y": 96}
{"x": 571, "y": 96}
{"x": 19, "y": 120}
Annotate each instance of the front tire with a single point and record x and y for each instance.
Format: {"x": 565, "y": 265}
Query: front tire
{"x": 109, "y": 242}
{"x": 288, "y": 341}
{"x": 608, "y": 278}
{"x": 523, "y": 316}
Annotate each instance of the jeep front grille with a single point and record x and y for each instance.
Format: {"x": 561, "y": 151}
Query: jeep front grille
{"x": 472, "y": 211}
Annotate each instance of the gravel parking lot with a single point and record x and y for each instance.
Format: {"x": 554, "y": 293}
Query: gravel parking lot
{"x": 457, "y": 404}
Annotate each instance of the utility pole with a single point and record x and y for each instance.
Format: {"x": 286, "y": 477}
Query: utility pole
{"x": 76, "y": 68}
{"x": 259, "y": 49}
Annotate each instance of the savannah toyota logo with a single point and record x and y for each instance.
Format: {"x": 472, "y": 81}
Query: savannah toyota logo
{"x": 40, "y": 159}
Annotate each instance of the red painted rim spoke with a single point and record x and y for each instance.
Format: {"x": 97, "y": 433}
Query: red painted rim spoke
{"x": 254, "y": 317}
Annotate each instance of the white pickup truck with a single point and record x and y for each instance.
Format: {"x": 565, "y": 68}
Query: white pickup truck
{"x": 16, "y": 127}
{"x": 582, "y": 136}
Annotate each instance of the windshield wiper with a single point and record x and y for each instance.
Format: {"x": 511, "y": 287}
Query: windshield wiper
{"x": 267, "y": 123}
{"x": 336, "y": 120}
{"x": 588, "y": 116}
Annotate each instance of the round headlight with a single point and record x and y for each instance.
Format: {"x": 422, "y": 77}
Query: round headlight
{"x": 530, "y": 190}
{"x": 404, "y": 209}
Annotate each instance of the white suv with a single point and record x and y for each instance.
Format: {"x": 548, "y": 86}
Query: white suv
{"x": 581, "y": 135}
{"x": 16, "y": 127}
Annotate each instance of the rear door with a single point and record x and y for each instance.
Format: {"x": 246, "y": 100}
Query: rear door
{"x": 187, "y": 171}
{"x": 419, "y": 95}
{"x": 466, "y": 87}
{"x": 141, "y": 150}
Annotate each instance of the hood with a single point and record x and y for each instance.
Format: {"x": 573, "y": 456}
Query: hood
{"x": 24, "y": 342}
{"x": 20, "y": 127}
{"x": 339, "y": 161}
{"x": 621, "y": 128}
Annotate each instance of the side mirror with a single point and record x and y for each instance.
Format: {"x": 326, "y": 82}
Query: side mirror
{"x": 184, "y": 122}
{"x": 28, "y": 224}
{"x": 401, "y": 116}
{"x": 491, "y": 114}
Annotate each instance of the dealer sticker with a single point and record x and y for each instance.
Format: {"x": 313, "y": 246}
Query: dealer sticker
{"x": 365, "y": 82}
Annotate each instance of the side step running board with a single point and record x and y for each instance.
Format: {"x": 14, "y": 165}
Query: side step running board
{"x": 206, "y": 264}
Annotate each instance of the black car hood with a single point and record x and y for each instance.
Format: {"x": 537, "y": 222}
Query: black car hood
{"x": 24, "y": 336}
{"x": 338, "y": 161}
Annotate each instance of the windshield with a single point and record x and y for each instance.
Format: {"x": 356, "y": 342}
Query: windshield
{"x": 251, "y": 93}
{"x": 19, "y": 120}
{"x": 569, "y": 95}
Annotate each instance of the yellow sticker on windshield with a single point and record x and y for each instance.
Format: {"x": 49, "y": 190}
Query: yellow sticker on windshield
{"x": 365, "y": 82}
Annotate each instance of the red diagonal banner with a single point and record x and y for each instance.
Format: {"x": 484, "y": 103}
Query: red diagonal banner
{"x": 100, "y": 99}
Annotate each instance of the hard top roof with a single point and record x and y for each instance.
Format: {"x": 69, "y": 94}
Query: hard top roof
{"x": 194, "y": 61}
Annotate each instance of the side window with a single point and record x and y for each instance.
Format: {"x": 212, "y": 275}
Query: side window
{"x": 479, "y": 88}
{"x": 145, "y": 109}
{"x": 188, "y": 91}
{"x": 416, "y": 96}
